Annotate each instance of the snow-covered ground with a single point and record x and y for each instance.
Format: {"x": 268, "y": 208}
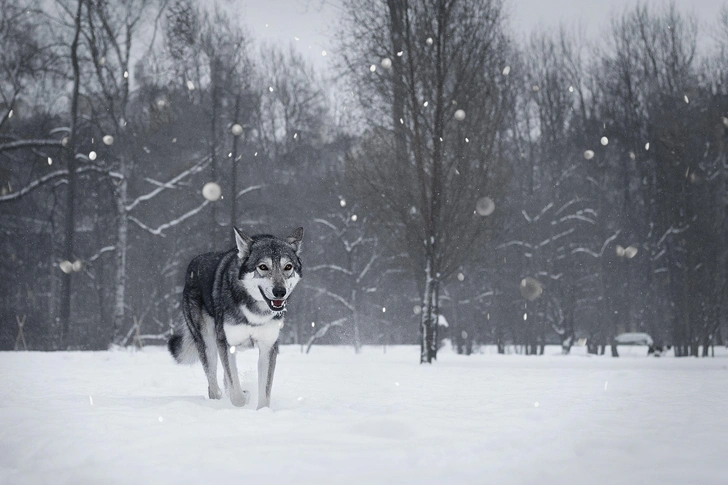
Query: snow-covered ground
{"x": 374, "y": 418}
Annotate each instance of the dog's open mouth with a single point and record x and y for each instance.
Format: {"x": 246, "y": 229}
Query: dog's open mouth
{"x": 275, "y": 305}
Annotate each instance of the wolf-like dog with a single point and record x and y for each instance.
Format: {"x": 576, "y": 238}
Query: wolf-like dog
{"x": 234, "y": 301}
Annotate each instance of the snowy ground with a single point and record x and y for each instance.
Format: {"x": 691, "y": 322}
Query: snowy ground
{"x": 136, "y": 418}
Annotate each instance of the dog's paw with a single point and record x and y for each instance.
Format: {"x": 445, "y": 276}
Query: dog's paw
{"x": 214, "y": 393}
{"x": 239, "y": 398}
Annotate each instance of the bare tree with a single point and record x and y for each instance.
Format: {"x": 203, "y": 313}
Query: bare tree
{"x": 453, "y": 53}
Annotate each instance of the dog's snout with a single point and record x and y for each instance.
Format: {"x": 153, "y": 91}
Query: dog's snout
{"x": 279, "y": 291}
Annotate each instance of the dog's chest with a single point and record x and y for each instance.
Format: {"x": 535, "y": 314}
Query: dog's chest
{"x": 265, "y": 334}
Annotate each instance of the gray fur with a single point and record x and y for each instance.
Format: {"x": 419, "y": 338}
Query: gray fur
{"x": 238, "y": 298}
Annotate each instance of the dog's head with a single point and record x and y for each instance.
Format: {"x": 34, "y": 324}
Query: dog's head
{"x": 270, "y": 266}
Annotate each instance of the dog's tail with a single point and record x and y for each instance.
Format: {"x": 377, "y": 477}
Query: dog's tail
{"x": 182, "y": 347}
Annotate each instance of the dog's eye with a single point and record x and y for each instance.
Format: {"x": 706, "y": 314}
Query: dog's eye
{"x": 263, "y": 267}
{"x": 288, "y": 267}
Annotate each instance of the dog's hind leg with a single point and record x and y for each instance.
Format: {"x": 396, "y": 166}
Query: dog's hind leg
{"x": 232, "y": 382}
{"x": 266, "y": 368}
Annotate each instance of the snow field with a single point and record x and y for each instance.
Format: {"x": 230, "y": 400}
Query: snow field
{"x": 374, "y": 418}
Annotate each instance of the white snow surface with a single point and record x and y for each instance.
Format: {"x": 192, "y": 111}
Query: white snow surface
{"x": 128, "y": 417}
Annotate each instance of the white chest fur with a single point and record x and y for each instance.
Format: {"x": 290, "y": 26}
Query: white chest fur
{"x": 264, "y": 335}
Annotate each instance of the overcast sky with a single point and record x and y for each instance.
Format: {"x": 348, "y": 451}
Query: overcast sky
{"x": 313, "y": 21}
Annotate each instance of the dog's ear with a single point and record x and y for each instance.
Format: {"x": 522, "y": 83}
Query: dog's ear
{"x": 295, "y": 239}
{"x": 243, "y": 242}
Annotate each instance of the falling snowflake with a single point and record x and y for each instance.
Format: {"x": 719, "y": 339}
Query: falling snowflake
{"x": 232, "y": 349}
{"x": 92, "y": 155}
{"x": 323, "y": 53}
{"x": 535, "y": 404}
{"x": 425, "y": 104}
{"x": 108, "y": 140}
{"x": 313, "y": 324}
{"x": 687, "y": 101}
{"x": 399, "y": 54}
{"x": 506, "y": 70}
{"x": 530, "y": 288}
{"x": 236, "y": 129}
{"x": 485, "y": 206}
{"x": 384, "y": 309}
{"x": 589, "y": 154}
{"x": 50, "y": 161}
{"x": 386, "y": 63}
{"x": 126, "y": 74}
{"x": 647, "y": 146}
{"x": 190, "y": 85}
{"x": 342, "y": 203}
{"x": 353, "y": 217}
{"x": 429, "y": 41}
{"x": 630, "y": 252}
{"x": 459, "y": 115}
{"x": 91, "y": 400}
{"x": 211, "y": 191}
{"x": 461, "y": 277}
{"x": 160, "y": 419}
{"x": 571, "y": 89}
{"x": 270, "y": 89}
{"x": 604, "y": 141}
{"x": 66, "y": 266}
{"x": 372, "y": 68}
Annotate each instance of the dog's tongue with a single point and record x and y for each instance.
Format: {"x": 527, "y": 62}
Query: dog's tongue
{"x": 277, "y": 303}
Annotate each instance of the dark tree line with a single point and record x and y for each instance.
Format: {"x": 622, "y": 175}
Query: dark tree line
{"x": 553, "y": 191}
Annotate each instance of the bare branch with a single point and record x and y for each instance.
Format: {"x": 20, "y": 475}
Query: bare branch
{"x": 185, "y": 173}
{"x": 35, "y": 143}
{"x": 249, "y": 189}
{"x": 330, "y": 266}
{"x": 158, "y": 231}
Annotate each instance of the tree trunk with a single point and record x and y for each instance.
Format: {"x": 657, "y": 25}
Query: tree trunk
{"x": 121, "y": 250}
{"x": 213, "y": 146}
{"x": 355, "y": 318}
{"x": 70, "y": 215}
{"x": 234, "y": 175}
{"x": 435, "y": 320}
{"x": 426, "y": 319}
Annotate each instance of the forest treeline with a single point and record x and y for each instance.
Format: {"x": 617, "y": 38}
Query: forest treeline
{"x": 455, "y": 182}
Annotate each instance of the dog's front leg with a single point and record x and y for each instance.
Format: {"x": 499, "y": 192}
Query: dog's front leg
{"x": 266, "y": 368}
{"x": 232, "y": 383}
